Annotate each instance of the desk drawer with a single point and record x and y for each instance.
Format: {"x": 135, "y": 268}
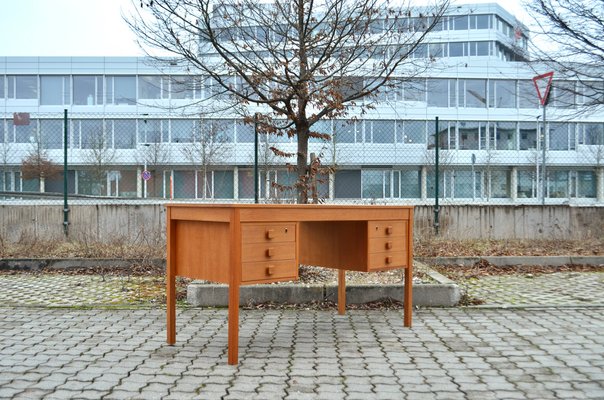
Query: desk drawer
{"x": 269, "y": 271}
{"x": 268, "y": 233}
{"x": 268, "y": 251}
{"x": 387, "y": 244}
{"x": 387, "y": 229}
{"x": 382, "y": 261}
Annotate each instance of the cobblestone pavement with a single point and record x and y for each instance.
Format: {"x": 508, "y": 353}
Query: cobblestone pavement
{"x": 561, "y": 288}
{"x": 551, "y": 353}
{"x": 79, "y": 290}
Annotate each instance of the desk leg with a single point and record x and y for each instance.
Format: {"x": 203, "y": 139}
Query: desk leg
{"x": 341, "y": 291}
{"x": 408, "y": 296}
{"x": 171, "y": 308}
{"x": 170, "y": 279}
{"x": 233, "y": 341}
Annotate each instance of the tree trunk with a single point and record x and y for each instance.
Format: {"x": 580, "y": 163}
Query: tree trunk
{"x": 302, "y": 163}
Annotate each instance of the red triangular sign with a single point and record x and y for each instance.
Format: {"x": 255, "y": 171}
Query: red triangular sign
{"x": 543, "y": 83}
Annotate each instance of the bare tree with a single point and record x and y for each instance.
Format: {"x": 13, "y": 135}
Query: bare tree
{"x": 37, "y": 164}
{"x": 574, "y": 33}
{"x": 98, "y": 154}
{"x": 5, "y": 157}
{"x": 300, "y": 60}
{"x": 208, "y": 146}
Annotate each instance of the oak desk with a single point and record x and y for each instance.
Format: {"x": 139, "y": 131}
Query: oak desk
{"x": 240, "y": 244}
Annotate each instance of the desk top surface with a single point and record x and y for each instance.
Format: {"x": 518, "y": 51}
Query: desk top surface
{"x": 286, "y": 212}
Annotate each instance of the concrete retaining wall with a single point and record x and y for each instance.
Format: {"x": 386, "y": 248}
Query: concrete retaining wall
{"x": 145, "y": 223}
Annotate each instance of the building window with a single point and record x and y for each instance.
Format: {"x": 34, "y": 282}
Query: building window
{"x": 51, "y": 134}
{"x": 557, "y": 187}
{"x": 497, "y": 183}
{"x": 347, "y": 184}
{"x": 2, "y": 95}
{"x": 244, "y": 132}
{"x": 345, "y": 132}
{"x": 443, "y": 178}
{"x": 559, "y": 136}
{"x": 22, "y": 86}
{"x": 217, "y": 131}
{"x": 502, "y": 93}
{"x": 472, "y": 135}
{"x": 152, "y": 131}
{"x": 456, "y": 49}
{"x": 527, "y": 185}
{"x": 505, "y": 135}
{"x": 182, "y": 130}
{"x": 411, "y": 132}
{"x": 124, "y": 133}
{"x": 185, "y": 87}
{"x": 563, "y": 94}
{"x": 183, "y": 184}
{"x": 591, "y": 134}
{"x": 586, "y": 184}
{"x": 376, "y": 184}
{"x": 378, "y": 131}
{"x": 121, "y": 90}
{"x": 87, "y": 90}
{"x": 414, "y": 90}
{"x": 89, "y": 134}
{"x": 446, "y": 136}
{"x": 22, "y": 133}
{"x": 322, "y": 127}
{"x": 439, "y": 92}
{"x": 527, "y": 94}
{"x": 216, "y": 185}
{"x": 528, "y": 135}
{"x": 152, "y": 87}
{"x": 466, "y": 184}
{"x": 460, "y": 23}
{"x": 473, "y": 93}
{"x": 407, "y": 184}
{"x": 55, "y": 90}
{"x": 481, "y": 21}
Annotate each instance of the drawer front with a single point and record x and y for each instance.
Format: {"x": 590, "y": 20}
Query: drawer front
{"x": 269, "y": 271}
{"x": 268, "y": 233}
{"x": 387, "y": 229}
{"x": 268, "y": 251}
{"x": 387, "y": 244}
{"x": 382, "y": 261}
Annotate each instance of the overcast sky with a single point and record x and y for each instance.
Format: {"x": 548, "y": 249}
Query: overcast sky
{"x": 88, "y": 27}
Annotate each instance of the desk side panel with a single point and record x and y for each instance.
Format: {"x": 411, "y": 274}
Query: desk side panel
{"x": 202, "y": 250}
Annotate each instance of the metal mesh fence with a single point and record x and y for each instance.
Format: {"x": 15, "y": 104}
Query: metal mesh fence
{"x": 161, "y": 157}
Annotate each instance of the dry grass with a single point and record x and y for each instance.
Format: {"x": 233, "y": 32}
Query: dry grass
{"x": 437, "y": 247}
{"x": 431, "y": 247}
{"x": 117, "y": 249}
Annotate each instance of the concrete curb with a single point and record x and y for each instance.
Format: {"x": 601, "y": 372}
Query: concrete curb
{"x": 39, "y": 264}
{"x": 444, "y": 294}
{"x": 503, "y": 261}
{"x": 430, "y": 295}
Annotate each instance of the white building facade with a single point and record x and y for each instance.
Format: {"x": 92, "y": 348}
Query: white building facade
{"x": 124, "y": 117}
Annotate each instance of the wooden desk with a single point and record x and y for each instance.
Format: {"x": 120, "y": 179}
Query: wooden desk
{"x": 240, "y": 244}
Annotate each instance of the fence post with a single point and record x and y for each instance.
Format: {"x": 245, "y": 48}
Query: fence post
{"x": 436, "y": 209}
{"x": 65, "y": 177}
